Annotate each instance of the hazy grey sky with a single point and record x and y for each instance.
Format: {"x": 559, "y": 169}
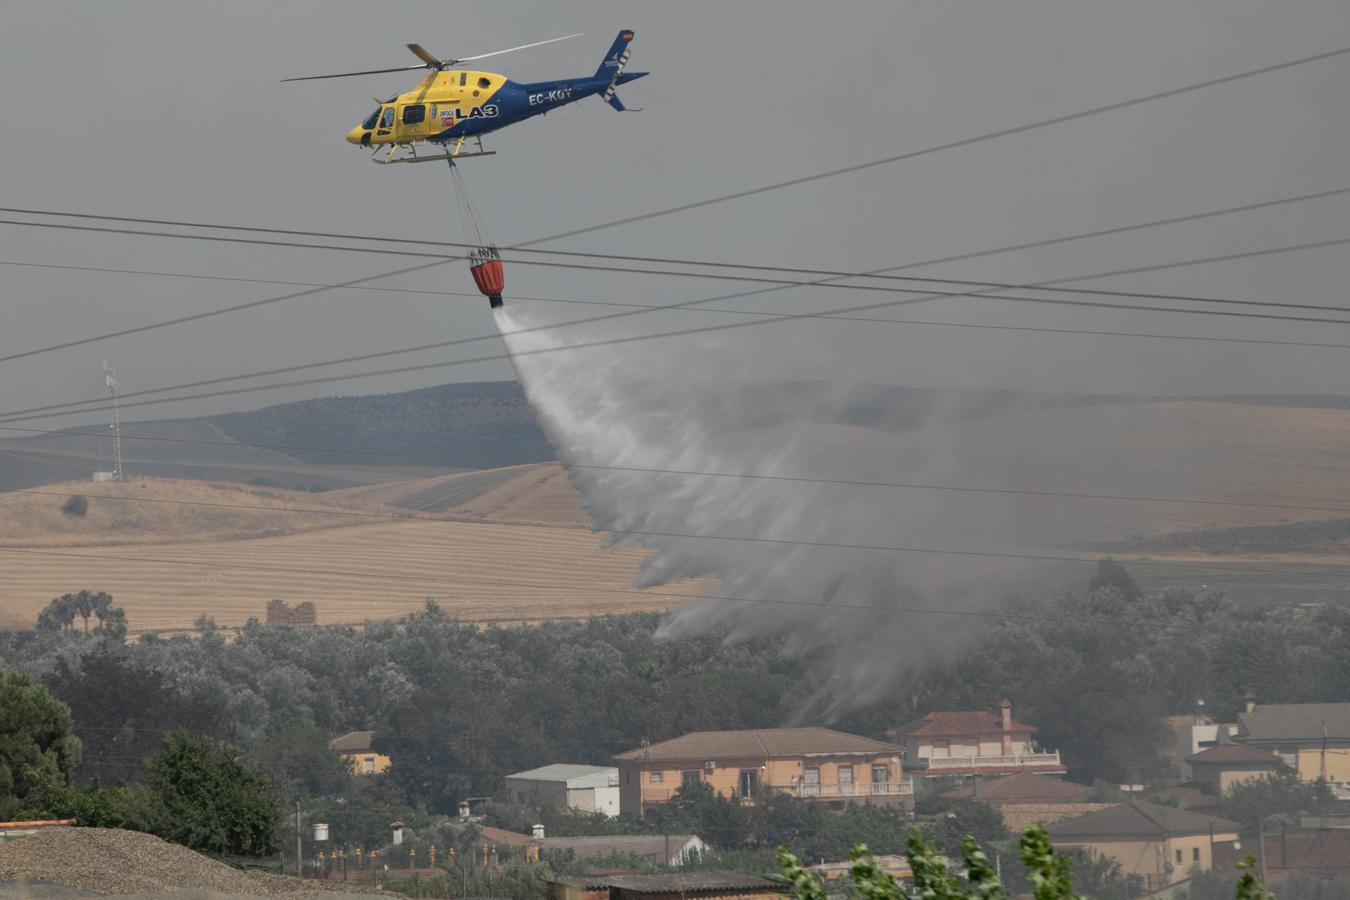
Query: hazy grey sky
{"x": 174, "y": 109}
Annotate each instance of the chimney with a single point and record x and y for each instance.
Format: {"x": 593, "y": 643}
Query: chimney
{"x": 464, "y": 810}
{"x": 1006, "y": 709}
{"x": 1249, "y": 702}
{"x": 538, "y": 832}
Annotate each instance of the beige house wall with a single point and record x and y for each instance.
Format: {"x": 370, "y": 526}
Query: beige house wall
{"x": 367, "y": 763}
{"x": 1151, "y": 857}
{"x": 1308, "y": 757}
{"x": 1337, "y": 762}
{"x": 643, "y": 782}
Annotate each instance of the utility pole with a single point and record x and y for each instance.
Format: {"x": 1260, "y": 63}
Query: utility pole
{"x": 110, "y": 382}
{"x": 1261, "y": 842}
{"x": 300, "y": 858}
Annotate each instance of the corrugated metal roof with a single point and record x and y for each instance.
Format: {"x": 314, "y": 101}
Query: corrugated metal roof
{"x": 758, "y": 743}
{"x": 573, "y": 775}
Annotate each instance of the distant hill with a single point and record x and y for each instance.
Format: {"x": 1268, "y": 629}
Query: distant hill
{"x": 476, "y": 425}
{"x": 411, "y": 435}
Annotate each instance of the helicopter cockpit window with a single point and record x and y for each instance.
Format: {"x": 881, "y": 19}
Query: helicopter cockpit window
{"x": 371, "y": 119}
{"x": 414, "y": 113}
{"x": 484, "y": 82}
{"x": 387, "y": 119}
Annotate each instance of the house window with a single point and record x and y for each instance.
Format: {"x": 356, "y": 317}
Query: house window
{"x": 845, "y": 775}
{"x": 368, "y": 765}
{"x": 940, "y": 750}
{"x": 881, "y": 774}
{"x": 689, "y": 776}
{"x": 1178, "y": 857}
{"x": 1195, "y": 854}
{"x": 1289, "y": 754}
{"x": 656, "y": 778}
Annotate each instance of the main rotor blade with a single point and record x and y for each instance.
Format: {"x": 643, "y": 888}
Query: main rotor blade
{"x": 463, "y": 59}
{"x": 424, "y": 56}
{"x": 369, "y": 72}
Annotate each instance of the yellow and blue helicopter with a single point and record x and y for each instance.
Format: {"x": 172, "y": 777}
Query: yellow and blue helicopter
{"x": 452, "y": 105}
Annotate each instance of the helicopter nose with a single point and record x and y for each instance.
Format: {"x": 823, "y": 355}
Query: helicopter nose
{"x": 354, "y": 136}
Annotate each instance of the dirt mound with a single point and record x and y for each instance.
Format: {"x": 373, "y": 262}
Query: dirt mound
{"x": 109, "y": 861}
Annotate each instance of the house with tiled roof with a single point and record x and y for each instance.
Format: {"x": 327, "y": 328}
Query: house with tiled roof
{"x": 815, "y": 763}
{"x": 1160, "y": 843}
{"x": 355, "y": 748}
{"x": 1216, "y": 769}
{"x": 1027, "y": 798}
{"x": 973, "y": 742}
{"x": 1312, "y": 739}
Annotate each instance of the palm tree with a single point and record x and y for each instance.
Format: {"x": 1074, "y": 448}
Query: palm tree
{"x": 102, "y": 604}
{"x": 65, "y": 609}
{"x": 84, "y": 605}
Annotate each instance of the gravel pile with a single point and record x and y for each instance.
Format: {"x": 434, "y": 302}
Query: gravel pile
{"x": 112, "y": 861}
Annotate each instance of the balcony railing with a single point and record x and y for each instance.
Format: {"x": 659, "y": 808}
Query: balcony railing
{"x": 1026, "y": 760}
{"x": 849, "y": 789}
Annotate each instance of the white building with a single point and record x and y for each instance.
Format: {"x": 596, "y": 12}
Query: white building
{"x": 585, "y": 788}
{"x": 1193, "y": 738}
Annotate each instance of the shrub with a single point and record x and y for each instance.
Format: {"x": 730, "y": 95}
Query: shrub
{"x": 77, "y": 505}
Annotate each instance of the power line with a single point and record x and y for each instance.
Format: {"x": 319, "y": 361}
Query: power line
{"x": 724, "y": 198}
{"x": 966, "y": 142}
{"x": 1266, "y": 204}
{"x": 834, "y": 282}
{"x": 687, "y": 307}
{"x": 767, "y": 320}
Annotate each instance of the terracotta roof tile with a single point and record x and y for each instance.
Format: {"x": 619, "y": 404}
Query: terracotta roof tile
{"x": 765, "y": 742}
{"x": 1234, "y": 753}
{"x": 1138, "y": 818}
{"x": 970, "y": 723}
{"x": 1024, "y": 787}
{"x": 352, "y": 742}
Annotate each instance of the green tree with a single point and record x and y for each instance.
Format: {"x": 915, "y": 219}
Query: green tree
{"x": 38, "y": 751}
{"x": 293, "y": 752}
{"x": 202, "y": 796}
{"x": 1282, "y": 796}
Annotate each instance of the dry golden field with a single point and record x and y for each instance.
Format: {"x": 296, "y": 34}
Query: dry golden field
{"x": 514, "y": 544}
{"x": 479, "y": 572}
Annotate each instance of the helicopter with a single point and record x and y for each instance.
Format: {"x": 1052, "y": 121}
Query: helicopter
{"x": 452, "y": 105}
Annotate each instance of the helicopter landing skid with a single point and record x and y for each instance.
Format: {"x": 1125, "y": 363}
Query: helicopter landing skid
{"x": 451, "y": 155}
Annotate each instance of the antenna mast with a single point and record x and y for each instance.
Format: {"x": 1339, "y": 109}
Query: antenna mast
{"x": 110, "y": 381}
